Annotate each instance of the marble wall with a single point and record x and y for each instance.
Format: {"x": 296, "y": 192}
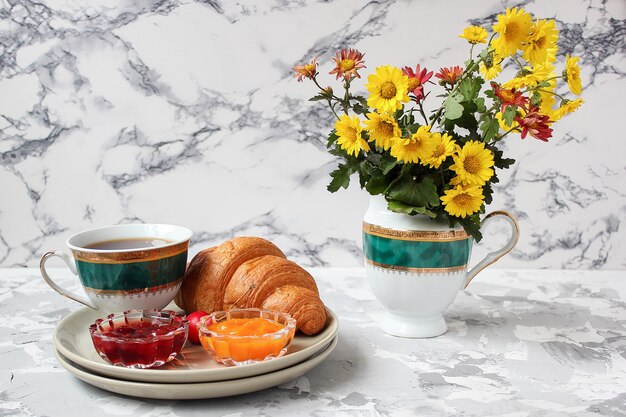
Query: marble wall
{"x": 186, "y": 112}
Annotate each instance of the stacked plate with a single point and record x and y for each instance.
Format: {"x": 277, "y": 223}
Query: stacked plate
{"x": 193, "y": 374}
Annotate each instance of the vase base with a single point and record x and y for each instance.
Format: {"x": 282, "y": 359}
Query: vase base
{"x": 413, "y": 327}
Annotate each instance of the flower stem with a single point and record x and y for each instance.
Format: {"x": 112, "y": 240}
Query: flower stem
{"x": 346, "y": 98}
{"x": 550, "y": 92}
{"x": 513, "y": 129}
{"x": 422, "y": 112}
{"x": 519, "y": 64}
{"x": 332, "y": 108}
{"x": 324, "y": 90}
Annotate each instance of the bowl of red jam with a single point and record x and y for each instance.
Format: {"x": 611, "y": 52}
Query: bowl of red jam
{"x": 245, "y": 336}
{"x": 140, "y": 338}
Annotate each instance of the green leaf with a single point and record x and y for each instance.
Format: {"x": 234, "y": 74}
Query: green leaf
{"x": 367, "y": 167}
{"x": 488, "y": 191}
{"x": 490, "y": 128}
{"x": 399, "y": 207}
{"x": 374, "y": 158}
{"x": 498, "y": 159}
{"x": 378, "y": 184}
{"x": 332, "y": 138}
{"x": 471, "y": 224}
{"x": 362, "y": 101}
{"x": 388, "y": 165}
{"x": 359, "y": 109}
{"x": 509, "y": 115}
{"x": 453, "y": 107}
{"x": 535, "y": 99}
{"x": 467, "y": 119}
{"x": 364, "y": 177}
{"x": 318, "y": 97}
{"x": 414, "y": 193}
{"x": 480, "y": 105}
{"x": 469, "y": 88}
{"x": 340, "y": 178}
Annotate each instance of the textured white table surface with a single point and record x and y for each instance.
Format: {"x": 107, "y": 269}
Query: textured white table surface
{"x": 520, "y": 343}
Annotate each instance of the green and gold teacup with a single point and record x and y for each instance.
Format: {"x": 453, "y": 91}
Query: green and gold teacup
{"x": 123, "y": 267}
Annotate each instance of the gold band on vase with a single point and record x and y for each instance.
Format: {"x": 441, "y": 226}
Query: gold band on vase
{"x": 415, "y": 235}
{"x": 444, "y": 270}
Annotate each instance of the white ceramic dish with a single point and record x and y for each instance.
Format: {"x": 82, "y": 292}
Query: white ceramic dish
{"x": 71, "y": 338}
{"x": 196, "y": 390}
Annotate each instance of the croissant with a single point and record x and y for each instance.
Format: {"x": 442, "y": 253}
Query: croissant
{"x": 250, "y": 272}
{"x": 210, "y": 270}
{"x": 275, "y": 283}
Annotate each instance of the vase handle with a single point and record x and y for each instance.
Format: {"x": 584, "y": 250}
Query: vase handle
{"x": 495, "y": 255}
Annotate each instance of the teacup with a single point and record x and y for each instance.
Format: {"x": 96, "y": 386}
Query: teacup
{"x": 124, "y": 267}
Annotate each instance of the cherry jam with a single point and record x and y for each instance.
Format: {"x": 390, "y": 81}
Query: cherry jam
{"x": 140, "y": 338}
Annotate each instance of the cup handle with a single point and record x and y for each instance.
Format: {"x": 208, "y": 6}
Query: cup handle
{"x": 70, "y": 264}
{"x": 494, "y": 256}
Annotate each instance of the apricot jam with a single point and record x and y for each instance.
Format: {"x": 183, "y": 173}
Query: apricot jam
{"x": 246, "y": 327}
{"x": 240, "y": 337}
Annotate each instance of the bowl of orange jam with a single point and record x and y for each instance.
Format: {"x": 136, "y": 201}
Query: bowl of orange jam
{"x": 244, "y": 336}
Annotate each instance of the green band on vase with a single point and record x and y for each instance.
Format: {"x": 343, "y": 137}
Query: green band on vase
{"x": 425, "y": 256}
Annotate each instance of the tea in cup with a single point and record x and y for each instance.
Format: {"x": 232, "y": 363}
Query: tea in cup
{"x": 124, "y": 267}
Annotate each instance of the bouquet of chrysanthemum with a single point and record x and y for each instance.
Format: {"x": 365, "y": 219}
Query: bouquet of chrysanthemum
{"x": 442, "y": 164}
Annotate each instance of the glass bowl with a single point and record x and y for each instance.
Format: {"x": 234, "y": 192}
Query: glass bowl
{"x": 234, "y": 349}
{"x": 140, "y": 338}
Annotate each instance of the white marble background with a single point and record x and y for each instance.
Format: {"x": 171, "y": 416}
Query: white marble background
{"x": 186, "y": 112}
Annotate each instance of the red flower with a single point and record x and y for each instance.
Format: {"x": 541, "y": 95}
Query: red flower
{"x": 535, "y": 123}
{"x": 508, "y": 97}
{"x": 449, "y": 75}
{"x": 417, "y": 80}
{"x": 347, "y": 63}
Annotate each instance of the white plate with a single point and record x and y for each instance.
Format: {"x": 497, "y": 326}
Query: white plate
{"x": 199, "y": 389}
{"x": 71, "y": 338}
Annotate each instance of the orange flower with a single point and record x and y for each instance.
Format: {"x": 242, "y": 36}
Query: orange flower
{"x": 449, "y": 75}
{"x": 508, "y": 97}
{"x": 306, "y": 71}
{"x": 348, "y": 62}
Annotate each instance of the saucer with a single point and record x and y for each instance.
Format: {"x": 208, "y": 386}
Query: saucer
{"x": 72, "y": 340}
{"x": 198, "y": 390}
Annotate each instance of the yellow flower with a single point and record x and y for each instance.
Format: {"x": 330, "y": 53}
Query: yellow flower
{"x": 532, "y": 76}
{"x": 513, "y": 28}
{"x": 572, "y": 75}
{"x": 547, "y": 98}
{"x": 473, "y": 164}
{"x": 388, "y": 89}
{"x": 349, "y": 132}
{"x": 419, "y": 146}
{"x": 491, "y": 67}
{"x": 474, "y": 34}
{"x": 503, "y": 124}
{"x": 542, "y": 42}
{"x": 566, "y": 108}
{"x": 444, "y": 147}
{"x": 383, "y": 129}
{"x": 463, "y": 201}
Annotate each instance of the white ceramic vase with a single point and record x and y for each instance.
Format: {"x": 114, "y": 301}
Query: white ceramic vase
{"x": 416, "y": 266}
